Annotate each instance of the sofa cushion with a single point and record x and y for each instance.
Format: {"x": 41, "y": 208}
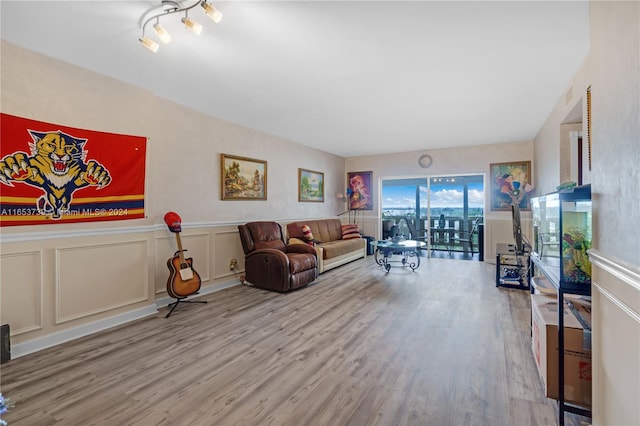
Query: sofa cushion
{"x": 323, "y": 230}
{"x": 350, "y": 231}
{"x": 337, "y": 248}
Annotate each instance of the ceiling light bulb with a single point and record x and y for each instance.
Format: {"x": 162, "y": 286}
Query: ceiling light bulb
{"x": 192, "y": 26}
{"x": 211, "y": 11}
{"x": 149, "y": 44}
{"x": 162, "y": 33}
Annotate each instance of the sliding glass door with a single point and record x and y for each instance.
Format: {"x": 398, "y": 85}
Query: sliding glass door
{"x": 456, "y": 202}
{"x": 447, "y": 206}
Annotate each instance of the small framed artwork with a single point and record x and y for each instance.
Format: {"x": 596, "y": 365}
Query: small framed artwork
{"x": 310, "y": 186}
{"x": 359, "y": 190}
{"x": 242, "y": 178}
{"x": 510, "y": 183}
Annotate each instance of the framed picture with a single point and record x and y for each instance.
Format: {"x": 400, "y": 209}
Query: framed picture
{"x": 242, "y": 178}
{"x": 509, "y": 183}
{"x": 359, "y": 190}
{"x": 310, "y": 186}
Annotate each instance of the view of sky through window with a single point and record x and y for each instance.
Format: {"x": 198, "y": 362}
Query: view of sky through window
{"x": 447, "y": 198}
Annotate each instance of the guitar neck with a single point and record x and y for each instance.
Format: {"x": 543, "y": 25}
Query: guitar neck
{"x": 180, "y": 250}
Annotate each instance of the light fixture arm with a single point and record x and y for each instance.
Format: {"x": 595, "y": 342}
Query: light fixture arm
{"x": 175, "y": 7}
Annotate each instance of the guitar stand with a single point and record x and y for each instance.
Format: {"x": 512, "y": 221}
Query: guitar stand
{"x": 181, "y": 299}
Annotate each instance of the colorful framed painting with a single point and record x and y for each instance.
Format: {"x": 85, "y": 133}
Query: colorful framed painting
{"x": 510, "y": 183}
{"x": 359, "y": 190}
{"x": 242, "y": 178}
{"x": 310, "y": 186}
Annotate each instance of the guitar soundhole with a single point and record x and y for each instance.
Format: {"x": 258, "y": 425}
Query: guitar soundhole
{"x": 184, "y": 265}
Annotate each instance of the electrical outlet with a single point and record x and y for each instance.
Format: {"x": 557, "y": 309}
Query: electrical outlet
{"x": 232, "y": 264}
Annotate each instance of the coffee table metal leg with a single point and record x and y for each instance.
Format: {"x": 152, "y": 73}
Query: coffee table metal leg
{"x": 412, "y": 264}
{"x": 410, "y": 258}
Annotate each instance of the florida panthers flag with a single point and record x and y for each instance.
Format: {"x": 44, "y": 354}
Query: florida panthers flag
{"x": 56, "y": 174}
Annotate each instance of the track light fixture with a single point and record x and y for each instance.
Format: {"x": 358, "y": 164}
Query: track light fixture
{"x": 211, "y": 11}
{"x": 149, "y": 44}
{"x": 192, "y": 25}
{"x": 161, "y": 32}
{"x": 170, "y": 7}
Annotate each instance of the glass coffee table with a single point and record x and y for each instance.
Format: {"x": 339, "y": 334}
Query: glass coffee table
{"x": 406, "y": 252}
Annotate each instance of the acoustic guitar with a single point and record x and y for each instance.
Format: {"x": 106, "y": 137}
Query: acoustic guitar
{"x": 183, "y": 279}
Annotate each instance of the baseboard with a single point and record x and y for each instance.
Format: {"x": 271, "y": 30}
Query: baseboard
{"x": 38, "y": 344}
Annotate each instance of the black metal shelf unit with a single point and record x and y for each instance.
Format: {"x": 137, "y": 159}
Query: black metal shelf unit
{"x": 512, "y": 267}
{"x": 559, "y": 272}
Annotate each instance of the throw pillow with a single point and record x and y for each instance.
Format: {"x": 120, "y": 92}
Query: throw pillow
{"x": 350, "y": 231}
{"x": 307, "y": 234}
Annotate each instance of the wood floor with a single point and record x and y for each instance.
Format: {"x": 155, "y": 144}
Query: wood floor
{"x": 439, "y": 346}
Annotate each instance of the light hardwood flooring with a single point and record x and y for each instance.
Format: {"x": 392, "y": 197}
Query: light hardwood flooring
{"x": 438, "y": 346}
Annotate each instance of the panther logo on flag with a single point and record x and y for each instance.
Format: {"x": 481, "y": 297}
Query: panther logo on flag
{"x": 57, "y": 165}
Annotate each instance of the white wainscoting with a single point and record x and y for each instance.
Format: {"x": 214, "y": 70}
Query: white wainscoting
{"x": 60, "y": 286}
{"x": 21, "y": 291}
{"x": 92, "y": 279}
{"x": 57, "y": 337}
{"x": 615, "y": 340}
{"x": 227, "y": 246}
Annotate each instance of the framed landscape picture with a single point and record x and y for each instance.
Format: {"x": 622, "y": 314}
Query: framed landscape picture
{"x": 310, "y": 186}
{"x": 510, "y": 182}
{"x": 242, "y": 178}
{"x": 359, "y": 190}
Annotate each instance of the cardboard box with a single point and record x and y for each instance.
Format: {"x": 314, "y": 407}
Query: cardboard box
{"x": 577, "y": 347}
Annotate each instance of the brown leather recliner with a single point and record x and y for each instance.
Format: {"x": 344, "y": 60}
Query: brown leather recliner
{"x": 270, "y": 263}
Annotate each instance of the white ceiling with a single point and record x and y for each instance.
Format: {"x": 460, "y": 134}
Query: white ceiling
{"x": 349, "y": 77}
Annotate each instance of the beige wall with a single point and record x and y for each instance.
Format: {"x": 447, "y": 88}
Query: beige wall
{"x": 451, "y": 161}
{"x": 64, "y": 280}
{"x": 613, "y": 72}
{"x": 615, "y": 50}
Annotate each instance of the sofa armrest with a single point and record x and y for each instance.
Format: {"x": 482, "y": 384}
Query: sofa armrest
{"x": 274, "y": 253}
{"x": 268, "y": 268}
{"x": 294, "y": 240}
{"x": 301, "y": 248}
{"x": 318, "y": 249}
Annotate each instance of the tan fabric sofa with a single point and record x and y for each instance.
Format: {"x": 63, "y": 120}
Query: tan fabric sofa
{"x": 331, "y": 249}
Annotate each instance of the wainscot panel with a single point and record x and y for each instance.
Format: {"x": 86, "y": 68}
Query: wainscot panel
{"x": 99, "y": 278}
{"x": 21, "y": 291}
{"x": 616, "y": 341}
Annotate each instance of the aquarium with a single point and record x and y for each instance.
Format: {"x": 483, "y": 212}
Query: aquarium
{"x": 576, "y": 234}
{"x": 546, "y": 225}
{"x": 562, "y": 234}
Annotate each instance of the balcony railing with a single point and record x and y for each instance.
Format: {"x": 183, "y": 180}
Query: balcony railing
{"x": 443, "y": 231}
